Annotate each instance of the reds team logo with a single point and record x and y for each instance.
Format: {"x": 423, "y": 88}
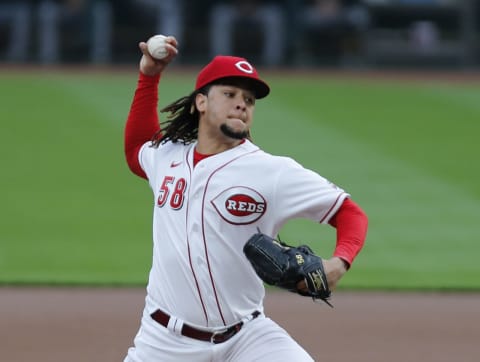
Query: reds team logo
{"x": 244, "y": 66}
{"x": 240, "y": 205}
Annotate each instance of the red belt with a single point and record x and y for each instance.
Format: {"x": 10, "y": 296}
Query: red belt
{"x": 192, "y": 332}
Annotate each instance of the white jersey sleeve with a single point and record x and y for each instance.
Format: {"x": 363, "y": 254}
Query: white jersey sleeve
{"x": 153, "y": 158}
{"x": 305, "y": 194}
{"x": 146, "y": 158}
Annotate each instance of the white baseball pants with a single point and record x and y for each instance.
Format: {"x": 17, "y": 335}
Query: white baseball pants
{"x": 259, "y": 340}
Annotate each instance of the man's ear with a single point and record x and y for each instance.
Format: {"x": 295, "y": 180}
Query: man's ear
{"x": 201, "y": 102}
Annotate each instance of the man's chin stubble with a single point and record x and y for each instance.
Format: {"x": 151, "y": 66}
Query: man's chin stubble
{"x": 227, "y": 131}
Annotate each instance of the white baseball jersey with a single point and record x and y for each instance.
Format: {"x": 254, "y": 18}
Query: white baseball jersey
{"x": 203, "y": 216}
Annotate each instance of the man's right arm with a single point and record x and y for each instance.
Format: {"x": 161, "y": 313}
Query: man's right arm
{"x": 142, "y": 122}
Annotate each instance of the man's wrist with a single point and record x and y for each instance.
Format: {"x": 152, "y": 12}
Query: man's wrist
{"x": 342, "y": 262}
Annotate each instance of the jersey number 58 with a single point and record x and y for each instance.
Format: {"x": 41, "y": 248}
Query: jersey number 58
{"x": 176, "y": 189}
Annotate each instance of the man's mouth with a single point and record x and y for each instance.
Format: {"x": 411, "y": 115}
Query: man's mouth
{"x": 237, "y": 118}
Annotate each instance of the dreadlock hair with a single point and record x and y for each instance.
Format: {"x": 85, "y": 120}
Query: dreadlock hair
{"x": 181, "y": 124}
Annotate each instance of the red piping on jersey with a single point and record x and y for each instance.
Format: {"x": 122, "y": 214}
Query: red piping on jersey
{"x": 190, "y": 255}
{"x": 196, "y": 282}
{"x": 197, "y": 156}
{"x": 203, "y": 230}
{"x": 331, "y": 208}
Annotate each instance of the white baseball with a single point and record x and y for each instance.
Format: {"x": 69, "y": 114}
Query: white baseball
{"x": 156, "y": 46}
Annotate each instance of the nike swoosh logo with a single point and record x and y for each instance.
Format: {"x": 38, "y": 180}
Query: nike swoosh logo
{"x": 175, "y": 164}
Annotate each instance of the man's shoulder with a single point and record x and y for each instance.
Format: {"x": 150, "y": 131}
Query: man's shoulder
{"x": 169, "y": 145}
{"x": 269, "y": 158}
{"x": 165, "y": 148}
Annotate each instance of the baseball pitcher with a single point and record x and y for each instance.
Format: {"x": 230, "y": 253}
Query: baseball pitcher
{"x": 218, "y": 204}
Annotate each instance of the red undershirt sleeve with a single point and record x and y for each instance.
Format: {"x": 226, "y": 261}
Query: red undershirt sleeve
{"x": 142, "y": 122}
{"x": 351, "y": 223}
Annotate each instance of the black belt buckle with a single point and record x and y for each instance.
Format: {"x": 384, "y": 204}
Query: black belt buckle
{"x": 230, "y": 332}
{"x": 223, "y": 336}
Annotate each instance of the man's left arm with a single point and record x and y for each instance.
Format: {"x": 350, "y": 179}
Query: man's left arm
{"x": 351, "y": 224}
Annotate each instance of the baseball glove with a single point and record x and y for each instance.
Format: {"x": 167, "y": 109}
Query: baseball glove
{"x": 284, "y": 266}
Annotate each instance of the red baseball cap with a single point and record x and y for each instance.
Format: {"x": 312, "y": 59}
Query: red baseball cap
{"x": 223, "y": 66}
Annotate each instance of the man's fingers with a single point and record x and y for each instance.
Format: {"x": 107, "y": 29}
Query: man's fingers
{"x": 172, "y": 41}
{"x": 143, "y": 48}
{"x": 302, "y": 286}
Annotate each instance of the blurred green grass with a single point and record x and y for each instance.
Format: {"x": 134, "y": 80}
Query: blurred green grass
{"x": 407, "y": 152}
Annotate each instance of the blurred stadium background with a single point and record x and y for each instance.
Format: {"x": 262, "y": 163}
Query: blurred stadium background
{"x": 403, "y": 143}
{"x": 382, "y": 97}
{"x": 288, "y": 33}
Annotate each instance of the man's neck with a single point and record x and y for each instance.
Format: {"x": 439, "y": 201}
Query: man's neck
{"x": 211, "y": 148}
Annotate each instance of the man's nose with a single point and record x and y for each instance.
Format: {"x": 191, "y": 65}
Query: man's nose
{"x": 241, "y": 104}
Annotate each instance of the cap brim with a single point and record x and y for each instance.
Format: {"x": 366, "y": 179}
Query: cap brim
{"x": 259, "y": 87}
